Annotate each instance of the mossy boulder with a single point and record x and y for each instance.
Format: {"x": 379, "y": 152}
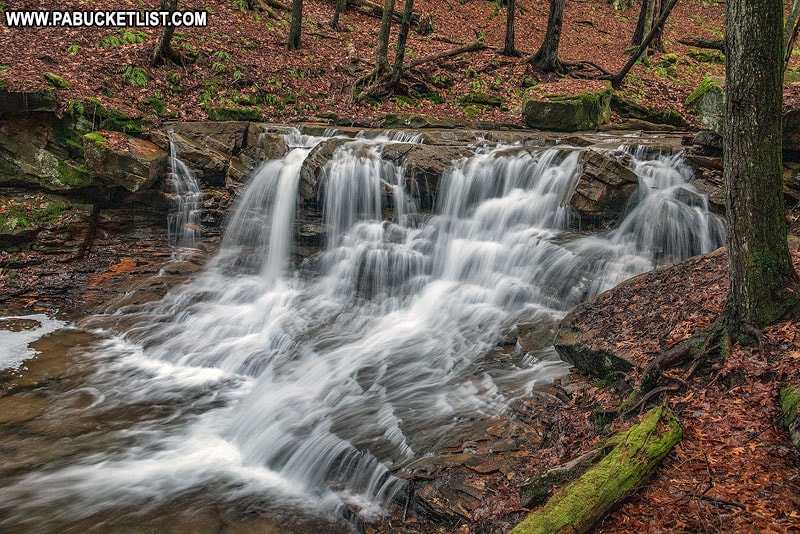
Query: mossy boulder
{"x": 43, "y": 222}
{"x": 567, "y": 113}
{"x": 628, "y": 108}
{"x": 102, "y": 117}
{"x": 708, "y": 101}
{"x": 790, "y": 406}
{"x": 57, "y": 81}
{"x": 123, "y": 161}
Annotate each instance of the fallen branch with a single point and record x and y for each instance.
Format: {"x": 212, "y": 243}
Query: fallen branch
{"x": 472, "y": 47}
{"x": 578, "y": 506}
{"x": 702, "y": 42}
{"x": 616, "y": 79}
{"x": 376, "y": 10}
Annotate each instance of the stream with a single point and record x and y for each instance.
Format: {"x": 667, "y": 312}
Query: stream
{"x": 265, "y": 396}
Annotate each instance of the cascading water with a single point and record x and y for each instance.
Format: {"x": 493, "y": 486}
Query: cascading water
{"x": 183, "y": 224}
{"x": 294, "y": 392}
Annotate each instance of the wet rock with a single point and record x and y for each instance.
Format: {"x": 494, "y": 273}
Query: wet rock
{"x": 567, "y": 113}
{"x": 46, "y": 223}
{"x": 424, "y": 167}
{"x": 22, "y": 407}
{"x": 603, "y": 187}
{"x": 708, "y": 180}
{"x": 124, "y": 161}
{"x": 311, "y": 171}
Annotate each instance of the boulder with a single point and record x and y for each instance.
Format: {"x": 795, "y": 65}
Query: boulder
{"x": 603, "y": 187}
{"x": 708, "y": 101}
{"x": 120, "y": 160}
{"x": 629, "y": 109}
{"x": 567, "y": 113}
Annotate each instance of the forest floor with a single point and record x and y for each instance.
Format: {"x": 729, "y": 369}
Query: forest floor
{"x": 239, "y": 59}
{"x": 735, "y": 469}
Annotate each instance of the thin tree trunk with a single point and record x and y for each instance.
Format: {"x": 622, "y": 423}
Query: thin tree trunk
{"x": 402, "y": 37}
{"x": 293, "y": 42}
{"x": 163, "y": 48}
{"x": 764, "y": 285}
{"x": 341, "y": 7}
{"x": 509, "y": 49}
{"x": 616, "y": 79}
{"x": 546, "y": 59}
{"x": 790, "y": 30}
{"x": 645, "y": 22}
{"x": 382, "y": 48}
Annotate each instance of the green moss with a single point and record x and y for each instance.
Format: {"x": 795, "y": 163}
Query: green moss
{"x": 95, "y": 138}
{"x": 708, "y": 83}
{"x": 668, "y": 59}
{"x": 481, "y": 99}
{"x": 106, "y": 118}
{"x": 73, "y": 175}
{"x": 790, "y": 403}
{"x": 57, "y": 81}
{"x": 156, "y": 104}
{"x": 579, "y": 505}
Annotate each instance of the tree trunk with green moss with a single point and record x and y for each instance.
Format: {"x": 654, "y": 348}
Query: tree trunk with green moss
{"x": 764, "y": 285}
{"x": 293, "y": 42}
{"x": 578, "y": 506}
{"x": 341, "y": 7}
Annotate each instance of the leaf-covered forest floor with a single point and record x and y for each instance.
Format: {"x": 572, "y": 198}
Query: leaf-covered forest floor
{"x": 735, "y": 469}
{"x": 240, "y": 59}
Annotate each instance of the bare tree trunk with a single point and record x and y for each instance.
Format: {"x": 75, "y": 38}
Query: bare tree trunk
{"x": 790, "y": 31}
{"x": 546, "y": 59}
{"x": 402, "y": 37}
{"x": 341, "y": 7}
{"x": 764, "y": 285}
{"x": 163, "y": 48}
{"x": 616, "y": 79}
{"x": 509, "y": 49}
{"x": 293, "y": 42}
{"x": 382, "y": 49}
{"x": 649, "y": 14}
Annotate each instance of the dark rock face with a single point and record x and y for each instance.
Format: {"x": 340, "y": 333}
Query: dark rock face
{"x": 603, "y": 188}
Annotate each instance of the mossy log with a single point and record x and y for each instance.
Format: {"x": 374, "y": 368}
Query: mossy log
{"x": 578, "y": 506}
{"x": 790, "y": 406}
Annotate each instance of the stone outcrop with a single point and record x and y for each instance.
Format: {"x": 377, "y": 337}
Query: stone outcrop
{"x": 567, "y": 113}
{"x": 123, "y": 161}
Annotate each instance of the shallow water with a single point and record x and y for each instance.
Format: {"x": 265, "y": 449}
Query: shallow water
{"x": 268, "y": 398}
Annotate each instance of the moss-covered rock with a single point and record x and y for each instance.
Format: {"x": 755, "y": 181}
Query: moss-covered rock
{"x": 708, "y": 101}
{"x": 626, "y": 107}
{"x": 129, "y": 162}
{"x": 103, "y": 117}
{"x": 567, "y": 113}
{"x": 57, "y": 81}
{"x": 790, "y": 406}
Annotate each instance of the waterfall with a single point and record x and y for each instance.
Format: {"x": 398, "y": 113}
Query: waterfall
{"x": 183, "y": 224}
{"x": 302, "y": 393}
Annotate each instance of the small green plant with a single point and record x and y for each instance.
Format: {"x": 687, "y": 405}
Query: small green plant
{"x": 120, "y": 38}
{"x": 75, "y": 107}
{"x": 135, "y": 76}
{"x": 241, "y": 5}
{"x": 295, "y": 73}
{"x": 73, "y": 49}
{"x": 4, "y": 69}
{"x": 218, "y": 67}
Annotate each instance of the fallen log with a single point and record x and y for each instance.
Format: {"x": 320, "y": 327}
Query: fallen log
{"x": 376, "y": 10}
{"x": 471, "y": 47}
{"x": 578, "y": 506}
{"x": 790, "y": 407}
